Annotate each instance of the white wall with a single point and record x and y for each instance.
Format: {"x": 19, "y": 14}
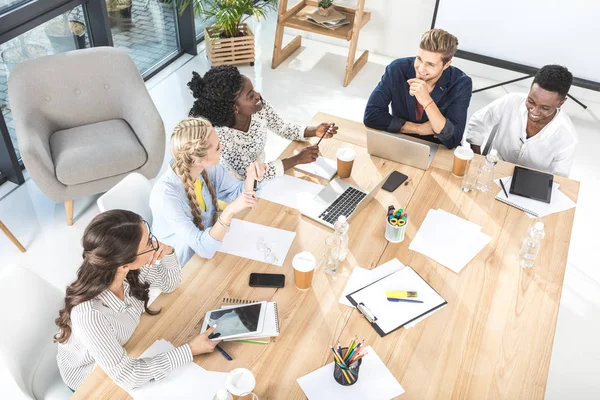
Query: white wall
{"x": 395, "y": 28}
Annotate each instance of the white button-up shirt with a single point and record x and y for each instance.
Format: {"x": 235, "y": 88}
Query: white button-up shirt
{"x": 551, "y": 150}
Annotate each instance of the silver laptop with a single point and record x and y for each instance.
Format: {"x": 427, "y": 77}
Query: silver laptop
{"x": 400, "y": 148}
{"x": 339, "y": 198}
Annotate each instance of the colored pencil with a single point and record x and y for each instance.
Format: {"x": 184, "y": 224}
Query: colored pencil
{"x": 251, "y": 341}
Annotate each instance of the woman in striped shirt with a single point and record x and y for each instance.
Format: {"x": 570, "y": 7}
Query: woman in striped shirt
{"x": 121, "y": 260}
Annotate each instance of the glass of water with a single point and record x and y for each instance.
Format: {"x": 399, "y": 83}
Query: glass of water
{"x": 469, "y": 181}
{"x": 332, "y": 253}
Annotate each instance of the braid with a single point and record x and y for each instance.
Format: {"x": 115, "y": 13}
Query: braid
{"x": 213, "y": 195}
{"x": 189, "y": 140}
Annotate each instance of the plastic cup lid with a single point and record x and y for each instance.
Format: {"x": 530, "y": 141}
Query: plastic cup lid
{"x": 304, "y": 261}
{"x": 346, "y": 154}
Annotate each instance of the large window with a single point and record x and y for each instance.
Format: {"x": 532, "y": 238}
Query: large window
{"x": 63, "y": 33}
{"x": 145, "y": 28}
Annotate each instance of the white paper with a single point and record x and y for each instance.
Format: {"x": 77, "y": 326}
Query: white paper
{"x": 289, "y": 191}
{"x": 362, "y": 277}
{"x": 449, "y": 240}
{"x": 188, "y": 382}
{"x": 390, "y": 315}
{"x": 324, "y": 167}
{"x": 244, "y": 237}
{"x": 558, "y": 200}
{"x": 375, "y": 382}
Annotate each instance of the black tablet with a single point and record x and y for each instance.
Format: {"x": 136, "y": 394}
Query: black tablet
{"x": 532, "y": 184}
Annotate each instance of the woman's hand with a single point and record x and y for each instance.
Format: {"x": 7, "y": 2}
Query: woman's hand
{"x": 202, "y": 344}
{"x": 307, "y": 155}
{"x": 243, "y": 201}
{"x": 324, "y": 129}
{"x": 163, "y": 250}
{"x": 255, "y": 171}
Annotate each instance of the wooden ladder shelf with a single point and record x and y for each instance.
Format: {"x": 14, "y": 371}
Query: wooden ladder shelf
{"x": 295, "y": 18}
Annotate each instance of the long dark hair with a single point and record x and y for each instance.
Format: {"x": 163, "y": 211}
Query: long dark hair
{"x": 215, "y": 94}
{"x": 109, "y": 241}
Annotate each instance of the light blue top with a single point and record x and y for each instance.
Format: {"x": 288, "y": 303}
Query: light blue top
{"x": 173, "y": 223}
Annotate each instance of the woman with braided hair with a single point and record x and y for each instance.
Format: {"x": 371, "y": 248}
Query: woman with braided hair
{"x": 184, "y": 199}
{"x": 241, "y": 116}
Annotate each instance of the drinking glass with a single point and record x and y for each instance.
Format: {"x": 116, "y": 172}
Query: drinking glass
{"x": 332, "y": 253}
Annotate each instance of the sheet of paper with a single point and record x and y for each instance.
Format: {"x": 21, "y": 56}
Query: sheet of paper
{"x": 462, "y": 241}
{"x": 391, "y": 315}
{"x": 289, "y": 191}
{"x": 362, "y": 277}
{"x": 375, "y": 382}
{"x": 324, "y": 167}
{"x": 188, "y": 382}
{"x": 257, "y": 242}
{"x": 558, "y": 202}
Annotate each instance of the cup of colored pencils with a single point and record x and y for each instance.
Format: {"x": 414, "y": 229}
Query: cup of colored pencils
{"x": 347, "y": 362}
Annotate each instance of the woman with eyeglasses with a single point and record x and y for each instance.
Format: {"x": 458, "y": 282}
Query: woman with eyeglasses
{"x": 184, "y": 200}
{"x": 121, "y": 261}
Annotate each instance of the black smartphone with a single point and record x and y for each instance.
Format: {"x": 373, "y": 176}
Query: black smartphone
{"x": 395, "y": 179}
{"x": 267, "y": 280}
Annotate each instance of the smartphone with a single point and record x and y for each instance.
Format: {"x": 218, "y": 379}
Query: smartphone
{"x": 267, "y": 280}
{"x": 395, "y": 179}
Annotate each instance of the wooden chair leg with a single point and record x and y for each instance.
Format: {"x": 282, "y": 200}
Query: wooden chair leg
{"x": 12, "y": 237}
{"x": 69, "y": 208}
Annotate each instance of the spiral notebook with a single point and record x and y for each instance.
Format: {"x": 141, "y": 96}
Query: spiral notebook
{"x": 271, "y": 322}
{"x": 530, "y": 206}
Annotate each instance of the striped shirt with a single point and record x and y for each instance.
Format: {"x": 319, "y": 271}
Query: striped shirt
{"x": 101, "y": 326}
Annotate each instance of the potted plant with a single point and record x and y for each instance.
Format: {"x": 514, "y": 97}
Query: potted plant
{"x": 22, "y": 51}
{"x": 228, "y": 40}
{"x": 325, "y": 7}
{"x": 66, "y": 34}
{"x": 118, "y": 11}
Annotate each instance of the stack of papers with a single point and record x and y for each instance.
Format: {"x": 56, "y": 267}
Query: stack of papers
{"x": 449, "y": 240}
{"x": 257, "y": 242}
{"x": 289, "y": 191}
{"x": 375, "y": 382}
{"x": 533, "y": 208}
{"x": 325, "y": 168}
{"x": 189, "y": 381}
{"x": 334, "y": 20}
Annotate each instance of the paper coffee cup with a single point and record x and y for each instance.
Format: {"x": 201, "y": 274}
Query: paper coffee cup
{"x": 304, "y": 268}
{"x": 345, "y": 161}
{"x": 240, "y": 382}
{"x": 462, "y": 155}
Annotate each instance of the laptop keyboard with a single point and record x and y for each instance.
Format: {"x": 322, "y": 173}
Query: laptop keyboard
{"x": 343, "y": 205}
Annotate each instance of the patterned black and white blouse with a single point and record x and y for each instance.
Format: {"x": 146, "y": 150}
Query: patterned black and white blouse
{"x": 240, "y": 149}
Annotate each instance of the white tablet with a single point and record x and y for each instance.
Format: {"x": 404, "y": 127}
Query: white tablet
{"x": 235, "y": 322}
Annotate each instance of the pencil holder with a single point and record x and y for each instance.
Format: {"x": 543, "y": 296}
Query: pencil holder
{"x": 394, "y": 233}
{"x": 346, "y": 377}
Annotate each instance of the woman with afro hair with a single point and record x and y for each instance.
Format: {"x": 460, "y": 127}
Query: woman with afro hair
{"x": 241, "y": 117}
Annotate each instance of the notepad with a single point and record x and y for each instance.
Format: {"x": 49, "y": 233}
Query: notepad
{"x": 257, "y": 242}
{"x": 449, "y": 240}
{"x": 375, "y": 382}
{"x": 325, "y": 168}
{"x": 361, "y": 277}
{"x": 270, "y": 326}
{"x": 289, "y": 191}
{"x": 533, "y": 208}
{"x": 189, "y": 381}
{"x": 386, "y": 316}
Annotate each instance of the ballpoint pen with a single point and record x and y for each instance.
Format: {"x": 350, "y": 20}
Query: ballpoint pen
{"x": 404, "y": 300}
{"x": 503, "y": 188}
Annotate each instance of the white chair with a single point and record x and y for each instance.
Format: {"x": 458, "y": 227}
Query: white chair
{"x": 132, "y": 193}
{"x": 28, "y": 368}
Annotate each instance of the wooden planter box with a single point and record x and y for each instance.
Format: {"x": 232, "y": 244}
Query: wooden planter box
{"x": 237, "y": 50}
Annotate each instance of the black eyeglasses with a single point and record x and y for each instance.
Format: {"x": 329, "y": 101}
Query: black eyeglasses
{"x": 152, "y": 241}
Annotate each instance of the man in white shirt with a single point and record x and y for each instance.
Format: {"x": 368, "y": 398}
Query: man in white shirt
{"x": 532, "y": 130}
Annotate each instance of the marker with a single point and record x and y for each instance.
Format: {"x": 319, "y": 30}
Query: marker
{"x": 391, "y": 210}
{"x": 400, "y": 294}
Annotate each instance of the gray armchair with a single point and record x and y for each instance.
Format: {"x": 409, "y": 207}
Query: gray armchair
{"x": 84, "y": 120}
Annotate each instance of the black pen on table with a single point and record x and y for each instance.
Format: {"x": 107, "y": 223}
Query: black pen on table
{"x": 503, "y": 188}
{"x": 218, "y": 347}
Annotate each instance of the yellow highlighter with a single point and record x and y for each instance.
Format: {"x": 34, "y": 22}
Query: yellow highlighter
{"x": 400, "y": 294}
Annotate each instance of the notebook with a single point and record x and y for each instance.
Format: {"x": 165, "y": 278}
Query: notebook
{"x": 385, "y": 316}
{"x": 325, "y": 168}
{"x": 271, "y": 323}
{"x": 530, "y": 206}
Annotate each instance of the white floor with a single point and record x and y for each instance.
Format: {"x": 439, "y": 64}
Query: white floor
{"x": 311, "y": 81}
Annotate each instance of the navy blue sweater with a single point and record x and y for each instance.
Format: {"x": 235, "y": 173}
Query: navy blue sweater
{"x": 452, "y": 95}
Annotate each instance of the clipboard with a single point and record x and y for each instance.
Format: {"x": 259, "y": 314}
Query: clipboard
{"x": 384, "y": 316}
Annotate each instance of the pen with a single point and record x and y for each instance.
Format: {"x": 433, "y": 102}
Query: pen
{"x": 503, "y": 188}
{"x": 321, "y": 138}
{"x": 404, "y": 300}
{"x": 227, "y": 356}
{"x": 255, "y": 185}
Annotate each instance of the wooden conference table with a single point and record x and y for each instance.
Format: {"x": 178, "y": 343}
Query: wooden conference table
{"x": 493, "y": 340}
